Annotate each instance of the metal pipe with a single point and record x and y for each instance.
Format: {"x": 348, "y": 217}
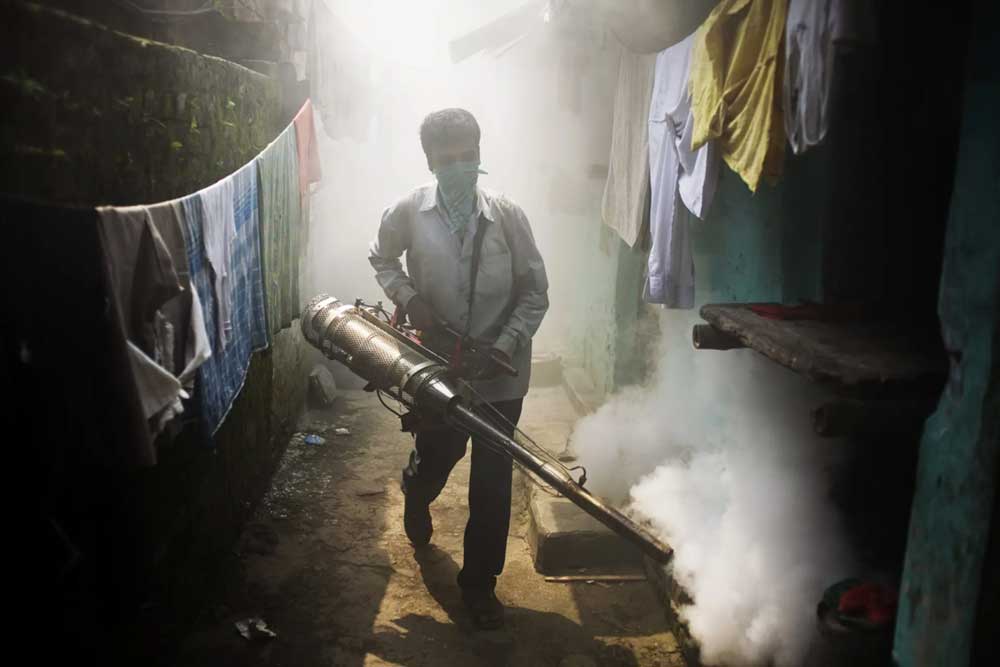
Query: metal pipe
{"x": 595, "y": 578}
{"x": 847, "y": 417}
{"x": 468, "y": 419}
{"x": 392, "y": 362}
{"x": 707, "y": 337}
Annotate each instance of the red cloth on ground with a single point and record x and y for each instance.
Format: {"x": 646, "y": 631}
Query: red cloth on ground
{"x": 873, "y": 602}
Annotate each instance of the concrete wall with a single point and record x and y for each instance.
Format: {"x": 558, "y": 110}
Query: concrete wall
{"x": 98, "y": 117}
{"x": 606, "y": 309}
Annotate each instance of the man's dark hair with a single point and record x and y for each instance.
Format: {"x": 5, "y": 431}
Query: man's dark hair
{"x": 446, "y": 124}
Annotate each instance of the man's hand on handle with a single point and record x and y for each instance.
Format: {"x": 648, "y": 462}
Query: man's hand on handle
{"x": 420, "y": 314}
{"x": 482, "y": 364}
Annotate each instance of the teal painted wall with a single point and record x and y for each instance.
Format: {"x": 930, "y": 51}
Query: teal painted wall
{"x": 605, "y": 307}
{"x": 738, "y": 247}
{"x": 952, "y": 520}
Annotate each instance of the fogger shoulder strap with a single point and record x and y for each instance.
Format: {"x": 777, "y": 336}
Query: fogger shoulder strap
{"x": 477, "y": 251}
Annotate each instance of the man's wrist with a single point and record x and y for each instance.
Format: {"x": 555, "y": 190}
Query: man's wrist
{"x": 506, "y": 343}
{"x": 404, "y": 295}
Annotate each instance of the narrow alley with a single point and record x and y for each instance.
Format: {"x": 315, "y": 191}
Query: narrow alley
{"x": 326, "y": 563}
{"x": 513, "y": 333}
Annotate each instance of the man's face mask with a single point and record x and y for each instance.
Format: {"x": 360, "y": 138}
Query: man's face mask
{"x": 457, "y": 185}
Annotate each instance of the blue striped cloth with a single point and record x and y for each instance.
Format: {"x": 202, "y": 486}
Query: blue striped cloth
{"x": 221, "y": 377}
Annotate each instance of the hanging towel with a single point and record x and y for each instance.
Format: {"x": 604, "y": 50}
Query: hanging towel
{"x": 280, "y": 228}
{"x": 682, "y": 181}
{"x": 222, "y": 375}
{"x": 198, "y": 347}
{"x": 76, "y": 406}
{"x": 309, "y": 172}
{"x": 624, "y": 205}
{"x": 160, "y": 392}
{"x": 217, "y": 232}
{"x": 181, "y": 316}
{"x": 736, "y": 71}
{"x": 814, "y": 30}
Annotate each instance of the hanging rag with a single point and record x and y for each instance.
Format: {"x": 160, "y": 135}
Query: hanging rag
{"x": 736, "y": 71}
{"x": 814, "y": 31}
{"x": 623, "y": 207}
{"x": 280, "y": 228}
{"x": 142, "y": 271}
{"x": 682, "y": 181}
{"x": 180, "y": 318}
{"x": 76, "y": 406}
{"x": 143, "y": 283}
{"x": 222, "y": 375}
{"x": 160, "y": 392}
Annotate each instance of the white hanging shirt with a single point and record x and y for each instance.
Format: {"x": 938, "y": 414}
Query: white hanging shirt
{"x": 623, "y": 206}
{"x": 682, "y": 181}
{"x": 219, "y": 229}
{"x": 813, "y": 31}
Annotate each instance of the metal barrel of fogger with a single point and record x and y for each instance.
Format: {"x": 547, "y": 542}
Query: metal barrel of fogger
{"x": 383, "y": 356}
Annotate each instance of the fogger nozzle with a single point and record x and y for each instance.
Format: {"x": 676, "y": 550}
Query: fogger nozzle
{"x": 392, "y": 362}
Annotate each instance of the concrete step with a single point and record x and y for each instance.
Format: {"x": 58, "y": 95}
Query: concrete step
{"x": 566, "y": 540}
{"x": 563, "y": 538}
{"x": 582, "y": 393}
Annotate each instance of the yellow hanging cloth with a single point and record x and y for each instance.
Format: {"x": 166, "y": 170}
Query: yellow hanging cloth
{"x": 736, "y": 71}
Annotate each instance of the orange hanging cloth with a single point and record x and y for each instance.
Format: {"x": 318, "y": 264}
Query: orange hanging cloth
{"x": 308, "y": 151}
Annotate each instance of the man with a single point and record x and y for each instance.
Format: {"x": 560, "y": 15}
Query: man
{"x": 439, "y": 227}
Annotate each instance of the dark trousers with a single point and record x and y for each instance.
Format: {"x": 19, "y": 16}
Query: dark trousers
{"x": 438, "y": 449}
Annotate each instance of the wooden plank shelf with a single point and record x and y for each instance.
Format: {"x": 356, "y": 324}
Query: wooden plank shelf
{"x": 853, "y": 354}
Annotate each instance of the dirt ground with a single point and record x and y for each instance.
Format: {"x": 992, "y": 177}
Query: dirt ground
{"x": 326, "y": 564}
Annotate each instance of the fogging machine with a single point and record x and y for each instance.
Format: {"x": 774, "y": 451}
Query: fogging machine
{"x": 396, "y": 363}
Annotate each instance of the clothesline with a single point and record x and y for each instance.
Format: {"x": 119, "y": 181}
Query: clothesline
{"x": 192, "y": 287}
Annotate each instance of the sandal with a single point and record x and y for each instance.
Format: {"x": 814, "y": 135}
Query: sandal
{"x": 485, "y": 608}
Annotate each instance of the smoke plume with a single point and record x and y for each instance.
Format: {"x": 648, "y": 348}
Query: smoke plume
{"x": 717, "y": 452}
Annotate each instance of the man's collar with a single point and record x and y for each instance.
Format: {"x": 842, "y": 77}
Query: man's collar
{"x": 483, "y": 204}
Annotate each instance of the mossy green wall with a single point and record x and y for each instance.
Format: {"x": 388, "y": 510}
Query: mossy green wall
{"x": 94, "y": 116}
